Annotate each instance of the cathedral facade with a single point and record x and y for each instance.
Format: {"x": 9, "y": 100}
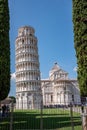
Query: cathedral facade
{"x": 58, "y": 89}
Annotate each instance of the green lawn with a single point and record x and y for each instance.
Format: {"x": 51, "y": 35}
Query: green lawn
{"x": 56, "y": 119}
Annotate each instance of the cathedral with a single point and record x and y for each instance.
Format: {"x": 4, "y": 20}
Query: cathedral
{"x": 58, "y": 89}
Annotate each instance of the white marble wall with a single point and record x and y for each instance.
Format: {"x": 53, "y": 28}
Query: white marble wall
{"x": 28, "y": 82}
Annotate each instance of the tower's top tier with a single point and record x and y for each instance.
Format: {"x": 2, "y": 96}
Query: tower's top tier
{"x": 26, "y": 30}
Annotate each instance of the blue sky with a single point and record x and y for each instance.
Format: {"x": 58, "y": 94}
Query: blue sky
{"x": 52, "y": 21}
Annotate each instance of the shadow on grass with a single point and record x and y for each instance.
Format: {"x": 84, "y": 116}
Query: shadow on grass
{"x": 31, "y": 120}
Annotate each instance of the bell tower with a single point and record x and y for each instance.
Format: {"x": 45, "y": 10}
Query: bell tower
{"x": 28, "y": 83}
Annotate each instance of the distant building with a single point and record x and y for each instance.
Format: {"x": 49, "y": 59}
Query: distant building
{"x": 28, "y": 83}
{"x": 59, "y": 89}
{"x": 6, "y": 101}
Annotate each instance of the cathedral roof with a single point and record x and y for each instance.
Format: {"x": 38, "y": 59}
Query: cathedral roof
{"x": 55, "y": 67}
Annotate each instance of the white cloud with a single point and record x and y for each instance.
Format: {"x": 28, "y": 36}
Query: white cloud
{"x": 75, "y": 69}
{"x": 13, "y": 86}
{"x": 13, "y": 76}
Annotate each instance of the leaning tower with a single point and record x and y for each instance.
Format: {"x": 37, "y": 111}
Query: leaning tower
{"x": 28, "y": 83}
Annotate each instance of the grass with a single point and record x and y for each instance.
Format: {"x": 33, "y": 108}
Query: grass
{"x": 55, "y": 119}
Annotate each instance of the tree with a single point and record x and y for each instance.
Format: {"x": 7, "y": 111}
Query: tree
{"x": 4, "y": 50}
{"x": 80, "y": 42}
{"x": 13, "y": 98}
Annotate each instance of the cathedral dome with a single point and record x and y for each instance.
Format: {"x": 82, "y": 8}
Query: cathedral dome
{"x": 56, "y": 67}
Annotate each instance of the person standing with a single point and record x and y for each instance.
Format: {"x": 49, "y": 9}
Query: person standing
{"x": 3, "y": 110}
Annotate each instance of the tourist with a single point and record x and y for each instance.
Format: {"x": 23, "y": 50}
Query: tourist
{"x": 3, "y": 110}
{"x": 0, "y": 111}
